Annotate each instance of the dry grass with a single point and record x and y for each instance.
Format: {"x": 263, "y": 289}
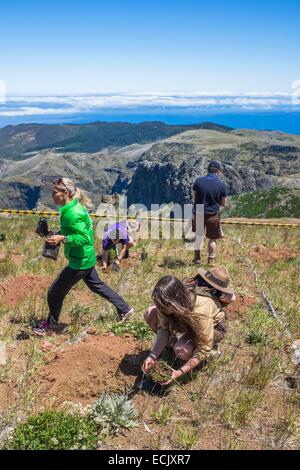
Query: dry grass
{"x": 235, "y": 401}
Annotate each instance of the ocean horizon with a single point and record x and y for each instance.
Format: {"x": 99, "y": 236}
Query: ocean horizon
{"x": 288, "y": 122}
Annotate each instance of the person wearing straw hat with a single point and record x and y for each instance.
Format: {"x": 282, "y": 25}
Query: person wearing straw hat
{"x": 189, "y": 316}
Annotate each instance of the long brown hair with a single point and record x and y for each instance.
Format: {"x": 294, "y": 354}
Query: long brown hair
{"x": 175, "y": 301}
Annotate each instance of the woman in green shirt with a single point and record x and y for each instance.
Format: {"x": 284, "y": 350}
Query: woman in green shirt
{"x": 77, "y": 235}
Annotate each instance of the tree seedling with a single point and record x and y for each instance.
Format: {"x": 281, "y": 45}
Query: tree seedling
{"x": 160, "y": 372}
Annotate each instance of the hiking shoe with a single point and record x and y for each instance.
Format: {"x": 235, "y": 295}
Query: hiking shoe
{"x": 211, "y": 262}
{"x": 126, "y": 316}
{"x": 44, "y": 329}
{"x": 215, "y": 352}
{"x": 116, "y": 267}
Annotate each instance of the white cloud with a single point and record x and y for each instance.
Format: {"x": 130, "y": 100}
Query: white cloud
{"x": 68, "y": 105}
{"x": 28, "y": 111}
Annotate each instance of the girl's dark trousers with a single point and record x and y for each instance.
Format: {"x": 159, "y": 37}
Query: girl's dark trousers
{"x": 68, "y": 278}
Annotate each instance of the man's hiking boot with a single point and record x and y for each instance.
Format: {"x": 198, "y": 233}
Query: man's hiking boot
{"x": 197, "y": 259}
{"x": 211, "y": 262}
{"x": 126, "y": 316}
{"x": 44, "y": 329}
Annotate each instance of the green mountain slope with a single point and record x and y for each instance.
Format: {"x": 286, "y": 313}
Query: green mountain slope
{"x": 273, "y": 203}
{"x": 15, "y": 141}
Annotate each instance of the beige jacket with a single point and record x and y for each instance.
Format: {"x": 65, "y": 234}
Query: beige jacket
{"x": 208, "y": 314}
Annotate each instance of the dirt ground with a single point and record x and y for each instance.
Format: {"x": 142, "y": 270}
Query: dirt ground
{"x": 87, "y": 359}
{"x": 269, "y": 255}
{"x": 83, "y": 370}
{"x": 237, "y": 308}
{"x": 14, "y": 290}
{"x": 77, "y": 372}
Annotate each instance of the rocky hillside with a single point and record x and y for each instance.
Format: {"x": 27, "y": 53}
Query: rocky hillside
{"x": 252, "y": 161}
{"x": 158, "y": 171}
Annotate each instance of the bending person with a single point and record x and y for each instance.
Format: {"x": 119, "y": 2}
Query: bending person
{"x": 76, "y": 233}
{"x": 116, "y": 234}
{"x": 189, "y": 316}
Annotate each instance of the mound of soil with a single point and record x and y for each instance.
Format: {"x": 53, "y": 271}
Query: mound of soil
{"x": 242, "y": 303}
{"x": 83, "y": 370}
{"x": 270, "y": 255}
{"x": 13, "y": 291}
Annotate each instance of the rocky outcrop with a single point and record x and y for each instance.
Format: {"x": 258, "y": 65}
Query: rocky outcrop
{"x": 157, "y": 183}
{"x": 16, "y": 195}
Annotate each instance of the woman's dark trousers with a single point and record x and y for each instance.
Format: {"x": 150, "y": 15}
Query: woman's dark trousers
{"x": 68, "y": 278}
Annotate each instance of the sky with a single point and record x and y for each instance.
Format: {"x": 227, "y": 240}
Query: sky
{"x": 68, "y": 47}
{"x": 171, "y": 60}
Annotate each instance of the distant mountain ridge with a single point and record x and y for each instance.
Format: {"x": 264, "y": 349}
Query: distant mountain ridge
{"x": 15, "y": 141}
{"x": 152, "y": 169}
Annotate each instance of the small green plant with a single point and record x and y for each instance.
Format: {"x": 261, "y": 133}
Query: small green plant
{"x": 187, "y": 437}
{"x": 138, "y": 329}
{"x": 286, "y": 428}
{"x": 78, "y": 313}
{"x": 111, "y": 413}
{"x": 237, "y": 405}
{"x": 256, "y": 337}
{"x": 263, "y": 368}
{"x": 7, "y": 267}
{"x": 162, "y": 415}
{"x": 260, "y": 329}
{"x": 5, "y": 371}
{"x": 160, "y": 372}
{"x": 54, "y": 430}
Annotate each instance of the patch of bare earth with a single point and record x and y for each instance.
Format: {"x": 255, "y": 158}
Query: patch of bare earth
{"x": 14, "y": 290}
{"x": 85, "y": 369}
{"x": 268, "y": 255}
{"x": 241, "y": 305}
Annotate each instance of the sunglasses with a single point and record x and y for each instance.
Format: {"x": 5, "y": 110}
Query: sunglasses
{"x": 60, "y": 182}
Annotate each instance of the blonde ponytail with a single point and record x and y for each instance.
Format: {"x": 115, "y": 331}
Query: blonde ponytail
{"x": 82, "y": 198}
{"x": 74, "y": 191}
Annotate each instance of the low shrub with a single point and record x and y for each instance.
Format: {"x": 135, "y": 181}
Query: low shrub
{"x": 54, "y": 430}
{"x": 111, "y": 413}
{"x": 138, "y": 329}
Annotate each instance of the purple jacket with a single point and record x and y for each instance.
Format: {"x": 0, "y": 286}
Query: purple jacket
{"x": 110, "y": 235}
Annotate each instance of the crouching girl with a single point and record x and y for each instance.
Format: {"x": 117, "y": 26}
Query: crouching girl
{"x": 189, "y": 316}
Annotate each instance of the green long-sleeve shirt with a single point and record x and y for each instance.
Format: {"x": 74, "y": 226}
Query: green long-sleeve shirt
{"x": 76, "y": 225}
